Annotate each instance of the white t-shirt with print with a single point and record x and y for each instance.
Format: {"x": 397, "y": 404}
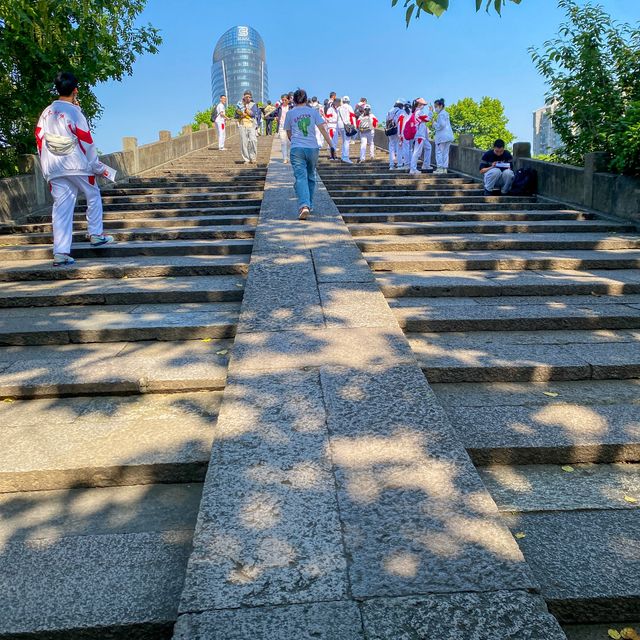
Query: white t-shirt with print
{"x": 302, "y": 122}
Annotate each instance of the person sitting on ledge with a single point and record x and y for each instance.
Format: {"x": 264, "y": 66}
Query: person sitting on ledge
{"x": 497, "y": 170}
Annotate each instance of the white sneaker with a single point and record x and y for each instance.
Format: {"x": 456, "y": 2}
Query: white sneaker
{"x": 414, "y": 173}
{"x": 98, "y": 241}
{"x": 62, "y": 260}
{"x": 347, "y": 160}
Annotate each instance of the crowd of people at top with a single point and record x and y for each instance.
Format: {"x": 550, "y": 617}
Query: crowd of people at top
{"x": 70, "y": 163}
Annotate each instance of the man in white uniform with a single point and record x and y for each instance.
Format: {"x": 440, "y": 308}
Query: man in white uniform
{"x": 220, "y": 119}
{"x": 443, "y": 137}
{"x": 69, "y": 162}
{"x": 331, "y": 116}
{"x": 346, "y": 116}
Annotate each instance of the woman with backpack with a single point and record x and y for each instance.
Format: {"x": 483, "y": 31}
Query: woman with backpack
{"x": 346, "y": 127}
{"x": 443, "y": 137}
{"x": 366, "y": 124}
{"x": 391, "y": 131}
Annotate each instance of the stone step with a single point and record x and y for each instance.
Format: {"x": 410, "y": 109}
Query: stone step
{"x": 498, "y": 242}
{"x": 95, "y": 563}
{"x": 467, "y": 216}
{"x": 586, "y": 562}
{"x": 527, "y": 356}
{"x": 67, "y": 443}
{"x": 499, "y": 284}
{"x": 158, "y": 213}
{"x": 346, "y": 201}
{"x": 118, "y": 323}
{"x": 227, "y": 181}
{"x": 217, "y": 232}
{"x": 490, "y": 203}
{"x": 136, "y": 267}
{"x": 101, "y": 291}
{"x": 113, "y": 368}
{"x": 141, "y": 223}
{"x": 490, "y": 227}
{"x": 124, "y": 249}
{"x": 108, "y": 197}
{"x": 412, "y": 261}
{"x": 546, "y": 422}
{"x": 402, "y": 181}
{"x": 401, "y": 194}
{"x": 516, "y": 314}
{"x": 164, "y": 204}
{"x": 544, "y": 487}
{"x": 214, "y": 188}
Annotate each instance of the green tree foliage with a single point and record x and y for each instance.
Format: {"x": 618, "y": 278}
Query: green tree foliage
{"x": 593, "y": 70}
{"x": 485, "y": 120}
{"x": 413, "y": 8}
{"x": 205, "y": 116}
{"x": 97, "y": 40}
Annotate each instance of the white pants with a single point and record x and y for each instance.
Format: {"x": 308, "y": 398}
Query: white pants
{"x": 393, "y": 150}
{"x": 421, "y": 147}
{"x": 366, "y": 140}
{"x": 333, "y": 134}
{"x": 319, "y": 138}
{"x": 284, "y": 144}
{"x": 442, "y": 155}
{"x": 496, "y": 178}
{"x": 222, "y": 134}
{"x": 248, "y": 143}
{"x": 404, "y": 153}
{"x": 65, "y": 192}
{"x": 345, "y": 141}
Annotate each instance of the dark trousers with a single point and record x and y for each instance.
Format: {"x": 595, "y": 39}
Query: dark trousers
{"x": 269, "y": 122}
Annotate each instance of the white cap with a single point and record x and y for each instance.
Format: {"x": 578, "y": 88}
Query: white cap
{"x": 346, "y": 99}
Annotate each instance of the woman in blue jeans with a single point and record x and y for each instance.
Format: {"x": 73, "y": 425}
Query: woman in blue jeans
{"x": 300, "y": 124}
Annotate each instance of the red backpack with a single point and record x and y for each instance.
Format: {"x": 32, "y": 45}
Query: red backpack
{"x": 410, "y": 127}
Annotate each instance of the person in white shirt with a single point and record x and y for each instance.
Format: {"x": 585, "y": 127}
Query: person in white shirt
{"x": 422, "y": 144}
{"x": 282, "y": 115}
{"x": 314, "y": 104}
{"x": 367, "y": 124}
{"x": 331, "y": 116}
{"x": 220, "y": 120}
{"x": 301, "y": 124}
{"x": 392, "y": 122}
{"x": 443, "y": 137}
{"x": 404, "y": 146}
{"x": 346, "y": 116}
{"x": 69, "y": 161}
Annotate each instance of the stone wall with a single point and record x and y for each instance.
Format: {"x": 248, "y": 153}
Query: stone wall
{"x": 29, "y": 193}
{"x": 587, "y": 186}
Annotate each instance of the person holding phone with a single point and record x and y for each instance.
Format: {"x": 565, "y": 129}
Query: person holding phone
{"x": 497, "y": 169}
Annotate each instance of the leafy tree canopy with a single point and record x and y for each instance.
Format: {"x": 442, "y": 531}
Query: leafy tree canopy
{"x": 437, "y": 7}
{"x": 485, "y": 119}
{"x": 592, "y": 70}
{"x": 97, "y": 40}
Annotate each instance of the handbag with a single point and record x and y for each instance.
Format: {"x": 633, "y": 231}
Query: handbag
{"x": 391, "y": 131}
{"x": 349, "y": 129}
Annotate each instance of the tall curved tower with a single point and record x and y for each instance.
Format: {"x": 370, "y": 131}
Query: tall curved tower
{"x": 239, "y": 63}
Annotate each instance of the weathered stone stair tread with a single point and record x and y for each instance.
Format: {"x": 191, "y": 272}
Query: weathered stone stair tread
{"x": 509, "y": 283}
{"x": 145, "y": 234}
{"x": 112, "y": 368}
{"x": 488, "y": 205}
{"x": 117, "y": 323}
{"x": 503, "y": 260}
{"x": 554, "y": 423}
{"x": 358, "y": 191}
{"x": 453, "y": 227}
{"x": 586, "y": 562}
{"x": 544, "y": 487}
{"x": 121, "y": 249}
{"x": 107, "y": 291}
{"x": 485, "y": 241}
{"x": 465, "y": 216}
{"x": 169, "y": 190}
{"x": 168, "y": 205}
{"x": 187, "y": 195}
{"x": 66, "y": 443}
{"x": 346, "y": 200}
{"x": 96, "y": 563}
{"x": 131, "y": 267}
{"x": 527, "y": 356}
{"x": 514, "y": 314}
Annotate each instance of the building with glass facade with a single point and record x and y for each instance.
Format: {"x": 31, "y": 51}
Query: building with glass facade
{"x": 239, "y": 63}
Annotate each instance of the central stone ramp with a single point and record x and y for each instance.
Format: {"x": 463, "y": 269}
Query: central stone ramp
{"x": 525, "y": 318}
{"x": 111, "y": 379}
{"x": 339, "y": 503}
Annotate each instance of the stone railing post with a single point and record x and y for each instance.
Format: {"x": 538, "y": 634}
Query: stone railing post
{"x": 131, "y": 144}
{"x": 466, "y": 140}
{"x": 164, "y": 135}
{"x": 30, "y": 164}
{"x": 203, "y": 126}
{"x": 521, "y": 150}
{"x": 593, "y": 163}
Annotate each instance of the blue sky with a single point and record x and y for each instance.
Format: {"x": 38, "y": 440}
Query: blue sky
{"x": 365, "y": 51}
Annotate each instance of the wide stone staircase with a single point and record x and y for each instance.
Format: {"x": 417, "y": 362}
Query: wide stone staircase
{"x": 525, "y": 317}
{"x": 111, "y": 376}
